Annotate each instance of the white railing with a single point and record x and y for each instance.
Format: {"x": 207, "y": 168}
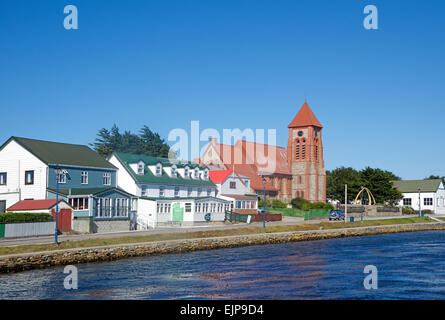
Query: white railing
{"x": 145, "y": 225}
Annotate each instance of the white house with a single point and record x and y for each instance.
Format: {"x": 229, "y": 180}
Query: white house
{"x": 170, "y": 192}
{"x": 236, "y": 189}
{"x": 432, "y": 194}
{"x": 37, "y": 170}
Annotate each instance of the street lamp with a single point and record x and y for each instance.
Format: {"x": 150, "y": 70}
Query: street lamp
{"x": 58, "y": 172}
{"x": 361, "y": 205}
{"x": 264, "y": 203}
{"x": 419, "y": 202}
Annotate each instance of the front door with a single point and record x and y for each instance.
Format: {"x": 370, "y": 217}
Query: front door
{"x": 2, "y": 206}
{"x": 177, "y": 213}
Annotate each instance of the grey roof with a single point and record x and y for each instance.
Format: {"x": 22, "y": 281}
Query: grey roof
{"x": 410, "y": 186}
{"x": 53, "y": 153}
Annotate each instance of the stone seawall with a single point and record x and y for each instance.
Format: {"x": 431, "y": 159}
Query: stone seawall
{"x": 40, "y": 260}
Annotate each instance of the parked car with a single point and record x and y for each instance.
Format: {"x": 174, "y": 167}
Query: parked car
{"x": 336, "y": 215}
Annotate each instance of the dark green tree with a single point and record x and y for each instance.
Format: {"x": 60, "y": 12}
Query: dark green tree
{"x": 436, "y": 177}
{"x": 146, "y": 142}
{"x": 376, "y": 180}
{"x": 336, "y": 180}
{"x": 379, "y": 182}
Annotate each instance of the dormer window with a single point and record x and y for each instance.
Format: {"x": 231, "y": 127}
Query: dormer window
{"x": 206, "y": 174}
{"x": 158, "y": 169}
{"x": 196, "y": 173}
{"x": 174, "y": 173}
{"x": 186, "y": 172}
{"x": 141, "y": 168}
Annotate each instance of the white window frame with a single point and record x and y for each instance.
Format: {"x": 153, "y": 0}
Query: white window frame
{"x": 161, "y": 192}
{"x": 107, "y": 179}
{"x": 196, "y": 173}
{"x": 186, "y": 172}
{"x": 84, "y": 177}
{"x": 176, "y": 194}
{"x": 3, "y": 178}
{"x": 61, "y": 177}
{"x": 174, "y": 172}
{"x": 141, "y": 168}
{"x": 159, "y": 169}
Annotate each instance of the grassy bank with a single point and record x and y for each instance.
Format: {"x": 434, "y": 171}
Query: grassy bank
{"x": 206, "y": 234}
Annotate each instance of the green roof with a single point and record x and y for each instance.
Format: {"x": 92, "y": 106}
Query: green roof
{"x": 149, "y": 178}
{"x": 86, "y": 191}
{"x": 179, "y": 198}
{"x": 62, "y": 153}
{"x": 410, "y": 186}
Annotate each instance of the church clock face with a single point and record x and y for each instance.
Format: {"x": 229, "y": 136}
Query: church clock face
{"x": 300, "y": 133}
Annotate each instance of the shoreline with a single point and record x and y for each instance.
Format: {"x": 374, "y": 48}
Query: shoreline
{"x": 14, "y": 263}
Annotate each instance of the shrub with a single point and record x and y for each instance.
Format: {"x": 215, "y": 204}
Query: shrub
{"x": 322, "y": 205}
{"x": 19, "y": 217}
{"x": 407, "y": 210}
{"x": 303, "y": 204}
{"x": 278, "y": 204}
{"x": 261, "y": 203}
{"x": 297, "y": 203}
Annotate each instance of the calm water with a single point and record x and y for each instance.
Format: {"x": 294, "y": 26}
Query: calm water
{"x": 410, "y": 266}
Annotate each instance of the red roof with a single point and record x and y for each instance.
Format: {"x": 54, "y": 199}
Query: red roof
{"x": 305, "y": 117}
{"x": 218, "y": 176}
{"x": 252, "y": 159}
{"x": 33, "y": 205}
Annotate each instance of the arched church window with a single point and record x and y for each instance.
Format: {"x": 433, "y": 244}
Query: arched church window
{"x": 303, "y": 150}
{"x": 297, "y": 149}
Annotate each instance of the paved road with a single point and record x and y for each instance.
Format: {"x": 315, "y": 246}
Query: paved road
{"x": 77, "y": 237}
{"x": 66, "y": 237}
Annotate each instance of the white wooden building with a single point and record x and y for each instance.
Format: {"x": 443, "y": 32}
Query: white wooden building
{"x": 235, "y": 188}
{"x": 432, "y": 194}
{"x": 169, "y": 192}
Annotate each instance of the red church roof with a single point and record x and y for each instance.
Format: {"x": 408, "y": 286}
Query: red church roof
{"x": 305, "y": 117}
{"x": 218, "y": 176}
{"x": 33, "y": 205}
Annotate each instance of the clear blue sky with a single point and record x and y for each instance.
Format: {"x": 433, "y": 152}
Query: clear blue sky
{"x": 380, "y": 94}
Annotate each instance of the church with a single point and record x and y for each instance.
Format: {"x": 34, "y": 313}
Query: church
{"x": 298, "y": 171}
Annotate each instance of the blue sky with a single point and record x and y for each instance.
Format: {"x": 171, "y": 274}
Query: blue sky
{"x": 380, "y": 94}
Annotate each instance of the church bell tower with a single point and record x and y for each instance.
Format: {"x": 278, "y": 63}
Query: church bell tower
{"x": 305, "y": 156}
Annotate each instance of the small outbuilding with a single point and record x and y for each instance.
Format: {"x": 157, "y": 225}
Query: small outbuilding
{"x": 65, "y": 211}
